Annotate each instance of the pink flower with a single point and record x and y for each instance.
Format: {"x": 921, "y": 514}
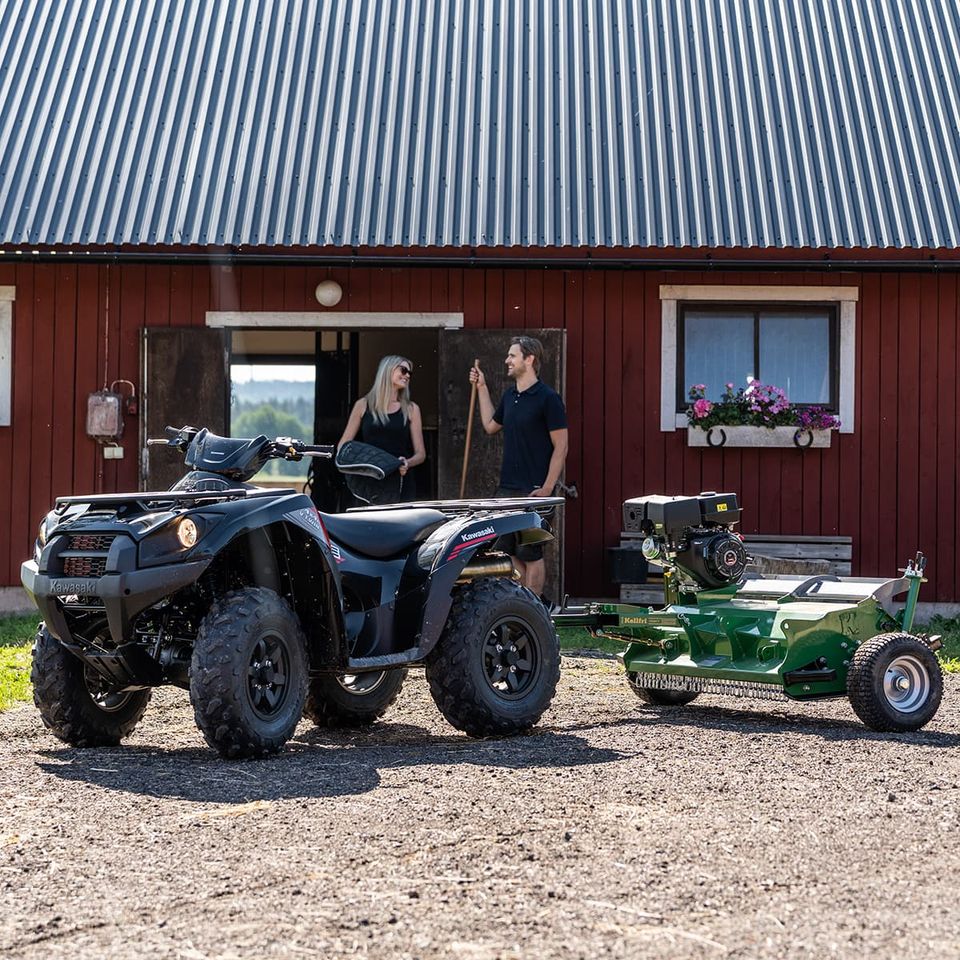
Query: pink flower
{"x": 701, "y": 408}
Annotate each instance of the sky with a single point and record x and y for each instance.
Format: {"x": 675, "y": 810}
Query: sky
{"x": 240, "y": 373}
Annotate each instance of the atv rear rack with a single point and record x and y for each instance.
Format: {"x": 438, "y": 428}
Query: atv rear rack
{"x": 541, "y": 505}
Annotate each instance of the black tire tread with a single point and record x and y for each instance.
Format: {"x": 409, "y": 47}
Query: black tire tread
{"x": 862, "y": 679}
{"x": 448, "y": 664}
{"x": 66, "y": 707}
{"x": 327, "y": 706}
{"x": 216, "y": 680}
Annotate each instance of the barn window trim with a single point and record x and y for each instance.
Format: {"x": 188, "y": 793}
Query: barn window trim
{"x": 673, "y": 297}
{"x": 7, "y": 296}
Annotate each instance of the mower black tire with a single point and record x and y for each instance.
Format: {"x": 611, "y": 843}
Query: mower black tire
{"x": 352, "y": 700}
{"x": 660, "y": 698}
{"x": 495, "y": 668}
{"x": 895, "y": 683}
{"x": 74, "y": 703}
{"x": 248, "y": 674}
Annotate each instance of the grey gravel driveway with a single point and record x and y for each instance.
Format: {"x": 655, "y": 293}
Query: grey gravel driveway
{"x": 722, "y": 829}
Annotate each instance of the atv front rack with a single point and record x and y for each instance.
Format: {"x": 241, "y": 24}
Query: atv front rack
{"x": 168, "y": 496}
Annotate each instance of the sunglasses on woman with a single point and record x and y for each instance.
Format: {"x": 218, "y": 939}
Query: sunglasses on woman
{"x": 406, "y": 371}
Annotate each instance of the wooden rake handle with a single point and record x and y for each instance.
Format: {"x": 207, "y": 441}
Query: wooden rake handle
{"x": 466, "y": 445}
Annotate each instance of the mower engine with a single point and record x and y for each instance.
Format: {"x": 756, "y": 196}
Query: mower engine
{"x": 691, "y": 534}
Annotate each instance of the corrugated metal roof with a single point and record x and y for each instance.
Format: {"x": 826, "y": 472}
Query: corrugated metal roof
{"x": 724, "y": 123}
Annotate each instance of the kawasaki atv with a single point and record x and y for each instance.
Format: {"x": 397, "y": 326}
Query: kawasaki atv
{"x": 265, "y": 609}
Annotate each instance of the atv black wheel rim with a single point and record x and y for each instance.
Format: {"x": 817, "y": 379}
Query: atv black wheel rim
{"x": 106, "y": 698}
{"x": 511, "y": 658}
{"x": 361, "y": 684}
{"x": 267, "y": 683}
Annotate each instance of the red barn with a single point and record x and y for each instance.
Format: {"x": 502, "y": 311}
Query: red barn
{"x": 679, "y": 196}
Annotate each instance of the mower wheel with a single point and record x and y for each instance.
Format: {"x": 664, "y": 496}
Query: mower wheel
{"x": 352, "y": 700}
{"x": 660, "y": 698}
{"x": 75, "y": 703}
{"x": 248, "y": 675}
{"x": 895, "y": 683}
{"x": 496, "y": 665}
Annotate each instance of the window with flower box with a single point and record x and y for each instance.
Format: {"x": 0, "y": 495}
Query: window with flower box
{"x": 794, "y": 347}
{"x": 801, "y": 339}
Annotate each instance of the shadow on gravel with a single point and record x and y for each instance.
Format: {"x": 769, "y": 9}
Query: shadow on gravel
{"x": 750, "y": 721}
{"x": 317, "y": 764}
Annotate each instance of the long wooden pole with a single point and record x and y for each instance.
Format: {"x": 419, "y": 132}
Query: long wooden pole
{"x": 466, "y": 445}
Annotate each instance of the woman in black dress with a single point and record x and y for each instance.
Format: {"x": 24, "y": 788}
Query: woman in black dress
{"x": 387, "y": 418}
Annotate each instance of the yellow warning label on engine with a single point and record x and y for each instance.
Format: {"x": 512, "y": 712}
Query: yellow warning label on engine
{"x": 721, "y": 507}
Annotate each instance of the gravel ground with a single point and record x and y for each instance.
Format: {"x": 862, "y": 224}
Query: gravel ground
{"x": 722, "y": 829}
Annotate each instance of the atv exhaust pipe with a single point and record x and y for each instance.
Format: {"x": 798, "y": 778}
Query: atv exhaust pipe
{"x": 489, "y": 567}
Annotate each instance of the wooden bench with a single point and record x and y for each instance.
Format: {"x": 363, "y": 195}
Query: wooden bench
{"x": 772, "y": 555}
{"x": 793, "y": 554}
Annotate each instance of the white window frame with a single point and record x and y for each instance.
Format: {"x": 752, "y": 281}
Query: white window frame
{"x": 7, "y": 296}
{"x": 672, "y": 294}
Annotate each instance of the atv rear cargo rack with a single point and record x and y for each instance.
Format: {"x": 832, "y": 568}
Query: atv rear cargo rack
{"x": 542, "y": 505}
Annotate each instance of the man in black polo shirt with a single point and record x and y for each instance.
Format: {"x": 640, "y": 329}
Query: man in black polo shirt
{"x": 534, "y": 425}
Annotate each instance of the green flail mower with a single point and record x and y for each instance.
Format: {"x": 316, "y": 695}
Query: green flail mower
{"x": 725, "y": 631}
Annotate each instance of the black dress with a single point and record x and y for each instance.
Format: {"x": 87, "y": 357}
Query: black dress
{"x": 394, "y": 437}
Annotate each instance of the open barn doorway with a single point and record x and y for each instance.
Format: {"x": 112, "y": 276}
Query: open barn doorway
{"x": 303, "y": 383}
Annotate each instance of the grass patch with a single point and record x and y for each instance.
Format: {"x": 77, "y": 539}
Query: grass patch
{"x": 16, "y": 635}
{"x": 576, "y": 638}
{"x": 949, "y": 630}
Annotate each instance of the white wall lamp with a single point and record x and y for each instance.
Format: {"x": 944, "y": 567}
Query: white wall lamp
{"x": 329, "y": 293}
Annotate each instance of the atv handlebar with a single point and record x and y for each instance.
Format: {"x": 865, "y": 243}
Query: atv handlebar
{"x": 283, "y": 448}
{"x": 287, "y": 448}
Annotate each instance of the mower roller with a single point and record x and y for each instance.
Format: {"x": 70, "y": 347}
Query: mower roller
{"x": 724, "y": 630}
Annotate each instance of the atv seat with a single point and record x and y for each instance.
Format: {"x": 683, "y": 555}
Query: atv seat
{"x": 382, "y": 533}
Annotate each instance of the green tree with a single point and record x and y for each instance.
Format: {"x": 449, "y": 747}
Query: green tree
{"x": 269, "y": 421}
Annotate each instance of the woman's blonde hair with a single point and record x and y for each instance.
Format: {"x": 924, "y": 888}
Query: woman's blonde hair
{"x": 381, "y": 393}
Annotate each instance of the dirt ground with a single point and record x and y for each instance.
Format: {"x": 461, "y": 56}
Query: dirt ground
{"x": 722, "y": 829}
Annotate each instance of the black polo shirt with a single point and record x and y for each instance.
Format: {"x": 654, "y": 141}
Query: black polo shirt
{"x": 527, "y": 418}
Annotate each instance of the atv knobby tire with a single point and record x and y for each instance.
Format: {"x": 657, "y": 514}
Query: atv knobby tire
{"x": 74, "y": 703}
{"x": 496, "y": 665}
{"x": 660, "y": 698}
{"x": 353, "y": 700}
{"x": 248, "y": 675}
{"x": 895, "y": 683}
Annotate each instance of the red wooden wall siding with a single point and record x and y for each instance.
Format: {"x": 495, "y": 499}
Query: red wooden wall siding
{"x": 892, "y": 485}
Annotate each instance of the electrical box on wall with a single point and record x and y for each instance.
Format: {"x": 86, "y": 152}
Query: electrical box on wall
{"x": 106, "y": 410}
{"x": 104, "y": 415}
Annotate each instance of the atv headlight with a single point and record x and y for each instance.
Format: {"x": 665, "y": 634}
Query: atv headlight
{"x": 43, "y": 534}
{"x": 187, "y": 533}
{"x": 172, "y": 540}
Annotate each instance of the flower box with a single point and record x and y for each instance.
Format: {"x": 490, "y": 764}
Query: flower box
{"x": 739, "y": 436}
{"x": 758, "y": 415}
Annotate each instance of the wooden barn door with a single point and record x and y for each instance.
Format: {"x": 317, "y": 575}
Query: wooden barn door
{"x": 458, "y": 348}
{"x": 186, "y": 381}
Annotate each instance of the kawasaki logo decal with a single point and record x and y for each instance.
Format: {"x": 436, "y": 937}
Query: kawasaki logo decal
{"x": 470, "y": 540}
